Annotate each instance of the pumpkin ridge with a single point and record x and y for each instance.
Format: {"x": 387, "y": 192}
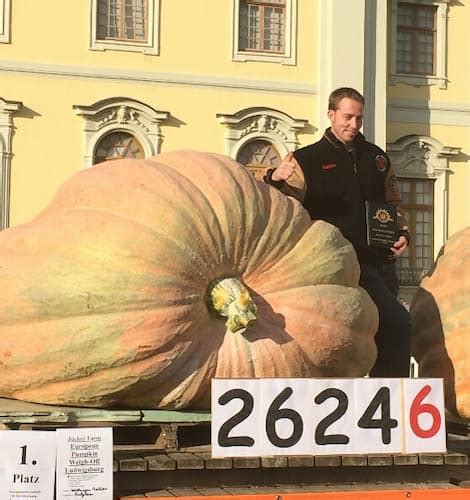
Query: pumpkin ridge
{"x": 294, "y": 223}
{"x": 97, "y": 369}
{"x": 289, "y": 291}
{"x": 330, "y": 260}
{"x": 244, "y": 190}
{"x": 163, "y": 173}
{"x": 156, "y": 230}
{"x": 130, "y": 308}
{"x": 210, "y": 229}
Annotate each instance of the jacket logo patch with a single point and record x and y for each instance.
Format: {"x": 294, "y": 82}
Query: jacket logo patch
{"x": 381, "y": 163}
{"x": 328, "y": 166}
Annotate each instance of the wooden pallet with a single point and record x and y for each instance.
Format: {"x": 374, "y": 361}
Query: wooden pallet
{"x": 194, "y": 472}
{"x": 168, "y": 450}
{"x": 132, "y": 429}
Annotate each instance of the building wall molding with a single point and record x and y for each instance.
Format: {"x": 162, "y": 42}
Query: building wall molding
{"x": 7, "y": 111}
{"x": 434, "y": 112}
{"x": 250, "y": 124}
{"x": 156, "y": 78}
{"x": 120, "y": 114}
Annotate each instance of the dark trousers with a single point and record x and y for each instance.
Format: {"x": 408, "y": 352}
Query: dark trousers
{"x": 393, "y": 337}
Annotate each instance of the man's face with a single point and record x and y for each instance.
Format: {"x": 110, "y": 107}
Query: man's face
{"x": 346, "y": 120}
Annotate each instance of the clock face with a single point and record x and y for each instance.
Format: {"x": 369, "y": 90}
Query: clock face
{"x": 118, "y": 145}
{"x": 258, "y": 156}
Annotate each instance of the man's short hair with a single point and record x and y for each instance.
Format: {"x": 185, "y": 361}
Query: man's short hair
{"x": 341, "y": 93}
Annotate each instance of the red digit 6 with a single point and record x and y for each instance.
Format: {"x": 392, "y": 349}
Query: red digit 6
{"x": 417, "y": 408}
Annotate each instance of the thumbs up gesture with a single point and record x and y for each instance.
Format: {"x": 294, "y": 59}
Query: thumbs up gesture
{"x": 285, "y": 169}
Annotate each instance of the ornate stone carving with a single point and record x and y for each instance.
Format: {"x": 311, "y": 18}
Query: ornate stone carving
{"x": 123, "y": 114}
{"x": 255, "y": 123}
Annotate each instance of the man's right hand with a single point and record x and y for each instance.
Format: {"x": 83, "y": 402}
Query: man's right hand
{"x": 285, "y": 169}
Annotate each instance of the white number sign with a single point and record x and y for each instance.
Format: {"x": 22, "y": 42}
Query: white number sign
{"x": 259, "y": 417}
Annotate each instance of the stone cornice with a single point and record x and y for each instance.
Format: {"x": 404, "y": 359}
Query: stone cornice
{"x": 154, "y": 77}
{"x": 417, "y": 111}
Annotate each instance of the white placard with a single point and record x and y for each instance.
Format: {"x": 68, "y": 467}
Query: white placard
{"x": 287, "y": 411}
{"x": 260, "y": 417}
{"x": 378, "y": 409}
{"x": 425, "y": 420}
{"x": 333, "y": 417}
{"x": 85, "y": 463}
{"x": 27, "y": 465}
{"x": 237, "y": 402}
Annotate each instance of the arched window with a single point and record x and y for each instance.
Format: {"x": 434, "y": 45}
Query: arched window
{"x": 257, "y": 156}
{"x": 131, "y": 127}
{"x": 260, "y": 137}
{"x": 118, "y": 145}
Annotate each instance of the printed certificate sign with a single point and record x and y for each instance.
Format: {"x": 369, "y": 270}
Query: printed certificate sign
{"x": 85, "y": 463}
{"x": 27, "y": 465}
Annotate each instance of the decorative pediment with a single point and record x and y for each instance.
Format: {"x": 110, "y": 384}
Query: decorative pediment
{"x": 121, "y": 114}
{"x": 254, "y": 123}
{"x": 420, "y": 156}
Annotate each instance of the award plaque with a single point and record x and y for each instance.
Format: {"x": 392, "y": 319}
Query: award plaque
{"x": 382, "y": 225}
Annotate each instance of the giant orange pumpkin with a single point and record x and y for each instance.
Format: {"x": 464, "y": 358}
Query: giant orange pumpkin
{"x": 144, "y": 279}
{"x": 441, "y": 323}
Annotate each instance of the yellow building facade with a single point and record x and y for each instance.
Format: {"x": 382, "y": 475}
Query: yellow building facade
{"x": 248, "y": 78}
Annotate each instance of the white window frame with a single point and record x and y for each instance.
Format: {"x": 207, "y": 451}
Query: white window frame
{"x": 5, "y": 21}
{"x": 152, "y": 46}
{"x": 268, "y": 124}
{"x": 422, "y": 157}
{"x": 7, "y": 110}
{"x": 440, "y": 78}
{"x": 290, "y": 55}
{"x": 118, "y": 114}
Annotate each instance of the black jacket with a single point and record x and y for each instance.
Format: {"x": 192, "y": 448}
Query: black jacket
{"x": 338, "y": 182}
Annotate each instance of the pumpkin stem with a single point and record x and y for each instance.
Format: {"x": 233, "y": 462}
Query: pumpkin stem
{"x": 229, "y": 298}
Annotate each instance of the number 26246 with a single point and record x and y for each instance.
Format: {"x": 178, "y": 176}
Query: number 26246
{"x": 256, "y": 417}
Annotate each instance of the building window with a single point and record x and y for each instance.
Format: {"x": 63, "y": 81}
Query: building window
{"x": 262, "y": 25}
{"x": 122, "y": 20}
{"x": 419, "y": 42}
{"x": 120, "y": 127}
{"x": 416, "y": 38}
{"x": 118, "y": 145}
{"x": 258, "y": 137}
{"x": 5, "y": 21}
{"x": 258, "y": 156}
{"x": 129, "y": 25}
{"x": 418, "y": 203}
{"x": 422, "y": 167}
{"x": 264, "y": 30}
